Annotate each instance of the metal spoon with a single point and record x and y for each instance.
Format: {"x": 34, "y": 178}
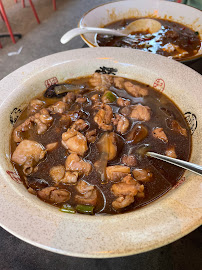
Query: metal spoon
{"x": 180, "y": 163}
{"x": 149, "y": 25}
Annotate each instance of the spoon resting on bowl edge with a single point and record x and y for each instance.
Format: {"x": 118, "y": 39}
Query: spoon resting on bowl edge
{"x": 180, "y": 163}
{"x": 149, "y": 25}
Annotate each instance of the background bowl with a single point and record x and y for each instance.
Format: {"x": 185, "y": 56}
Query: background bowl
{"x": 172, "y": 216}
{"x": 114, "y": 11}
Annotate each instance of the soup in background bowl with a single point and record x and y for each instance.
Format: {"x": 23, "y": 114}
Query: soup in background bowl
{"x": 172, "y": 216}
{"x": 173, "y": 40}
{"x": 179, "y": 37}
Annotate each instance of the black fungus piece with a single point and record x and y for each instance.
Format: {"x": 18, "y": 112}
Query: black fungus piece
{"x": 60, "y": 90}
{"x": 36, "y": 182}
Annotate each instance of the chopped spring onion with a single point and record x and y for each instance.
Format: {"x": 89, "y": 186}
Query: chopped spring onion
{"x": 85, "y": 209}
{"x": 110, "y": 96}
{"x": 68, "y": 209}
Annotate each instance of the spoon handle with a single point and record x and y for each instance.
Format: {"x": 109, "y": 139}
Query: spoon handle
{"x": 78, "y": 31}
{"x": 180, "y": 163}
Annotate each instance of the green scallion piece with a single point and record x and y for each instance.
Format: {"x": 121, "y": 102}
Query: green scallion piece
{"x": 85, "y": 209}
{"x": 110, "y": 96}
{"x": 68, "y": 209}
{"x": 197, "y": 33}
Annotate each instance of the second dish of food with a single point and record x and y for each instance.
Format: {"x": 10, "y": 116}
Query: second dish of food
{"x": 172, "y": 40}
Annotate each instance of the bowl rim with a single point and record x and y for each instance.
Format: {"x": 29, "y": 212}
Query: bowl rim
{"x": 186, "y": 60}
{"x": 58, "y": 59}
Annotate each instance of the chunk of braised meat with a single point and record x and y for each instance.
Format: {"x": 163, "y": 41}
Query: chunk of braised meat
{"x": 74, "y": 163}
{"x": 54, "y": 195}
{"x": 116, "y": 172}
{"x": 119, "y": 82}
{"x": 130, "y": 180}
{"x": 95, "y": 98}
{"x": 35, "y": 105}
{"x": 125, "y": 191}
{"x": 43, "y": 120}
{"x": 158, "y": 133}
{"x": 58, "y": 107}
{"x": 89, "y": 198}
{"x": 140, "y": 194}
{"x": 142, "y": 175}
{"x": 91, "y": 136}
{"x": 70, "y": 177}
{"x": 101, "y": 82}
{"x": 59, "y": 175}
{"x": 129, "y": 160}
{"x": 80, "y": 125}
{"x": 128, "y": 186}
{"x": 140, "y": 112}
{"x": 74, "y": 141}
{"x": 81, "y": 99}
{"x": 98, "y": 105}
{"x": 121, "y": 122}
{"x": 17, "y": 133}
{"x": 126, "y": 111}
{"x": 51, "y": 146}
{"x": 122, "y": 202}
{"x": 175, "y": 126}
{"x": 70, "y": 97}
{"x": 170, "y": 152}
{"x": 107, "y": 144}
{"x": 28, "y": 154}
{"x": 27, "y": 149}
{"x": 103, "y": 117}
{"x": 135, "y": 90}
{"x": 88, "y": 193}
{"x": 171, "y": 34}
{"x": 138, "y": 133}
{"x": 123, "y": 102}
{"x": 83, "y": 187}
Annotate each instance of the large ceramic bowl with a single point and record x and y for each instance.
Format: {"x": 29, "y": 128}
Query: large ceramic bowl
{"x": 114, "y": 11}
{"x": 172, "y": 216}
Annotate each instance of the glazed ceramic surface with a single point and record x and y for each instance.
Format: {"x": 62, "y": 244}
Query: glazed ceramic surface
{"x": 161, "y": 222}
{"x": 114, "y": 11}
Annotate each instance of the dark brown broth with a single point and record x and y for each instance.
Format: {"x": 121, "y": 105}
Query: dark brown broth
{"x": 170, "y": 32}
{"x": 165, "y": 175}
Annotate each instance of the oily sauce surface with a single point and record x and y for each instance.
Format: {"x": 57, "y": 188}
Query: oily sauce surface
{"x": 165, "y": 175}
{"x": 173, "y": 40}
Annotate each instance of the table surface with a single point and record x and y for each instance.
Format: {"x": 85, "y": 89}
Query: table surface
{"x": 183, "y": 254}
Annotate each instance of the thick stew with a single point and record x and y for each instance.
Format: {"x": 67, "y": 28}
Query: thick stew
{"x": 173, "y": 40}
{"x": 81, "y": 145}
